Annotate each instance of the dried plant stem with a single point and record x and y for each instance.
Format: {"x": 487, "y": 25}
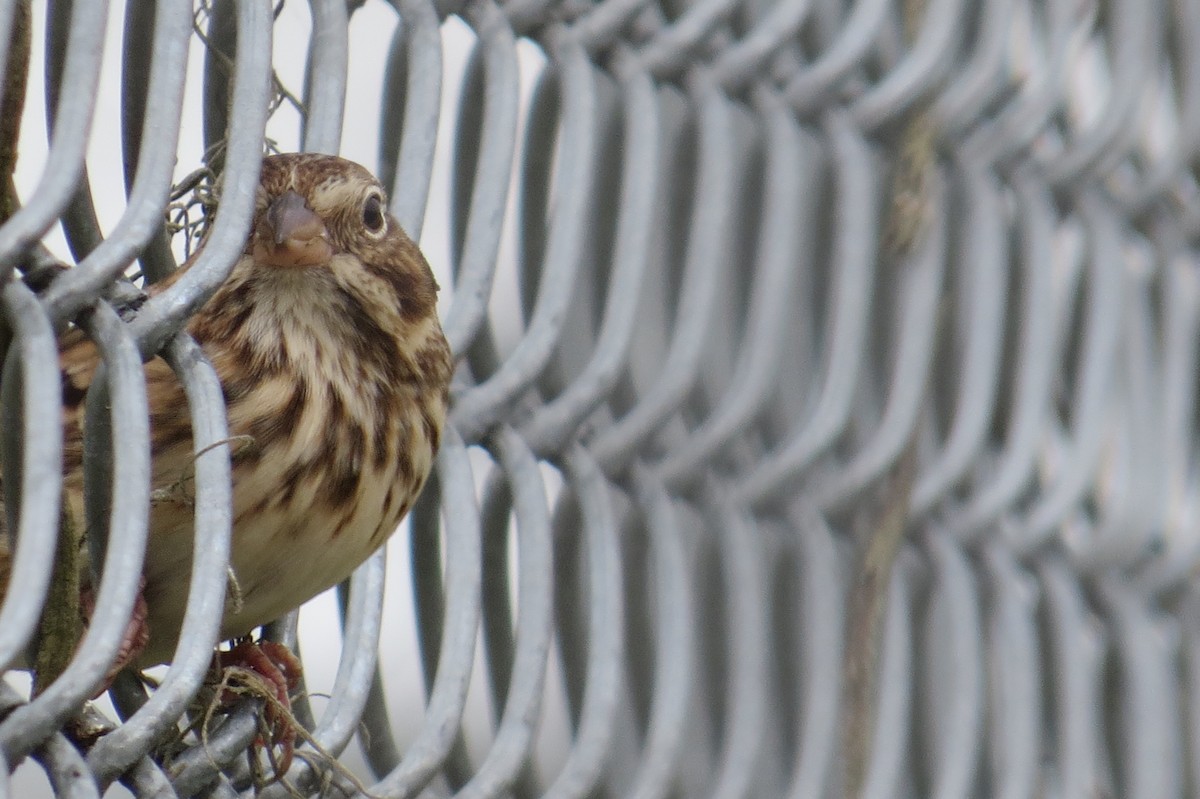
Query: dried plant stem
{"x": 61, "y": 626}
{"x": 907, "y": 221}
{"x": 16, "y": 73}
{"x": 908, "y": 212}
{"x": 868, "y": 603}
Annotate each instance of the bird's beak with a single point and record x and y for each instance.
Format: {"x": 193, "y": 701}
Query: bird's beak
{"x": 291, "y": 234}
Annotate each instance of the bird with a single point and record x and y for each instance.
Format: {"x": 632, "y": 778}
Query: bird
{"x": 335, "y": 371}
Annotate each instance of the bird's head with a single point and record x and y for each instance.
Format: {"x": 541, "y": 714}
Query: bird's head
{"x": 311, "y": 207}
{"x": 321, "y": 213}
{"x": 326, "y": 268}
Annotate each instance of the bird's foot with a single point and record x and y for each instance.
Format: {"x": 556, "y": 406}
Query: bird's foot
{"x": 271, "y": 671}
{"x": 137, "y": 634}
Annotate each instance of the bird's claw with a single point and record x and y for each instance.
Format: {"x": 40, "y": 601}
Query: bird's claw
{"x": 277, "y": 672}
{"x": 137, "y": 633}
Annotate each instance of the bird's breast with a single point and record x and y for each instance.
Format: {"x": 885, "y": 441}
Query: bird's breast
{"x": 322, "y": 475}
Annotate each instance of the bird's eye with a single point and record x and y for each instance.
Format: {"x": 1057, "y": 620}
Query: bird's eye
{"x": 373, "y": 214}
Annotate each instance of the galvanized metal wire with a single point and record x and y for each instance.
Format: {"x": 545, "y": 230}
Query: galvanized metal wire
{"x": 765, "y": 255}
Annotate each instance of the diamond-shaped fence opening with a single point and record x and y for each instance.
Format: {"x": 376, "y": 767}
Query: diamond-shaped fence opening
{"x": 823, "y": 422}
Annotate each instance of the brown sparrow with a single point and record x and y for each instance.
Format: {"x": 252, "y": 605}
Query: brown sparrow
{"x": 336, "y": 376}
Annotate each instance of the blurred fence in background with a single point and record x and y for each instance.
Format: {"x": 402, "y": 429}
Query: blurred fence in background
{"x": 798, "y": 284}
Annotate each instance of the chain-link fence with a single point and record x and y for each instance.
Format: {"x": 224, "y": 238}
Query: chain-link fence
{"x": 837, "y": 437}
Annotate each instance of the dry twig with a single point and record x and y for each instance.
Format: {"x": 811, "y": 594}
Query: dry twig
{"x": 907, "y": 221}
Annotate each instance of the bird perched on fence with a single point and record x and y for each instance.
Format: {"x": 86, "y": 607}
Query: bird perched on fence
{"x": 336, "y": 377}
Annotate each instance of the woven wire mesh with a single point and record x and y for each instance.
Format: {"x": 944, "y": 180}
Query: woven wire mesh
{"x": 740, "y": 290}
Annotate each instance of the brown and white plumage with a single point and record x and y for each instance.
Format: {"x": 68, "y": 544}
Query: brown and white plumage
{"x": 335, "y": 371}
